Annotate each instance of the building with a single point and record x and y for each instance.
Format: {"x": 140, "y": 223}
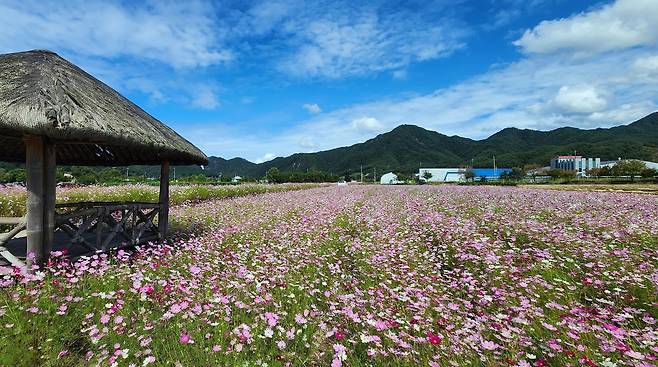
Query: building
{"x": 459, "y": 174}
{"x": 389, "y": 179}
{"x": 236, "y": 179}
{"x": 576, "y": 163}
{"x": 489, "y": 173}
{"x": 648, "y": 164}
{"x": 441, "y": 174}
{"x": 53, "y": 113}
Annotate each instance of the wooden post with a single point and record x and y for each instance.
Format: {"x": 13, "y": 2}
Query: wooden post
{"x": 163, "y": 217}
{"x": 49, "y": 183}
{"x": 34, "y": 181}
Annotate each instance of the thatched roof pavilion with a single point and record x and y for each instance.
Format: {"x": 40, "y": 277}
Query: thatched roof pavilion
{"x": 43, "y": 94}
{"x": 51, "y": 111}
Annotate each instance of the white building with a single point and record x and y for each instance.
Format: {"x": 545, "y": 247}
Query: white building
{"x": 389, "y": 179}
{"x": 648, "y": 164}
{"x": 442, "y": 174}
{"x": 576, "y": 163}
{"x": 236, "y": 179}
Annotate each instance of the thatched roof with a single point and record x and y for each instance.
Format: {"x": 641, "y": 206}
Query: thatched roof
{"x": 90, "y": 123}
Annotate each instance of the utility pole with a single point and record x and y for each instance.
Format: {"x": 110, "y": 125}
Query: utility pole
{"x": 127, "y": 172}
{"x": 494, "y": 161}
{"x": 174, "y": 173}
{"x": 374, "y": 174}
{"x": 361, "y": 173}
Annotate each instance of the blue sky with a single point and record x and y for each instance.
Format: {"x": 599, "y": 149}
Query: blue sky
{"x": 265, "y": 79}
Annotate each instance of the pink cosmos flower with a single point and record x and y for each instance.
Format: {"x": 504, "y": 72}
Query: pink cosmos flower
{"x": 105, "y": 318}
{"x": 634, "y": 354}
{"x": 272, "y": 319}
{"x": 433, "y": 338}
{"x": 184, "y": 337}
{"x": 339, "y": 335}
{"x": 489, "y": 345}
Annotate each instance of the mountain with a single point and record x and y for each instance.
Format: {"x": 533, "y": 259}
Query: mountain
{"x": 407, "y": 147}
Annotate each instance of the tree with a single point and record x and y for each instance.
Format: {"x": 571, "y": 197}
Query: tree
{"x": 469, "y": 175}
{"x": 273, "y": 175}
{"x": 628, "y": 167}
{"x": 599, "y": 172}
{"x": 649, "y": 172}
{"x": 427, "y": 175}
{"x": 402, "y": 177}
{"x": 517, "y": 174}
{"x": 560, "y": 173}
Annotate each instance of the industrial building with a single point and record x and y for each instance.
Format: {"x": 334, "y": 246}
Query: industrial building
{"x": 648, "y": 164}
{"x": 459, "y": 174}
{"x": 576, "y": 163}
{"x": 442, "y": 174}
{"x": 389, "y": 179}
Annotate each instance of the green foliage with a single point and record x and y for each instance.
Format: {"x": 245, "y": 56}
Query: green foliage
{"x": 516, "y": 174}
{"x": 628, "y": 168}
{"x": 273, "y": 175}
{"x": 561, "y": 174}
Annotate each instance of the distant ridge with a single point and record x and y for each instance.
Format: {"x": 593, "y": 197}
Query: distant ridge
{"x": 408, "y": 146}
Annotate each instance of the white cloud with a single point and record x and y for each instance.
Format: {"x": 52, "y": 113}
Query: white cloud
{"x": 400, "y": 74}
{"x": 312, "y": 107}
{"x": 177, "y": 34}
{"x": 367, "y": 125}
{"x": 621, "y": 25}
{"x": 266, "y": 157}
{"x": 335, "y": 43}
{"x": 647, "y": 64}
{"x": 307, "y": 143}
{"x": 601, "y": 92}
{"x": 580, "y": 99}
{"x": 205, "y": 97}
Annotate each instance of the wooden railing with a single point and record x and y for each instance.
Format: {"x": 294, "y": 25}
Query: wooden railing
{"x": 19, "y": 225}
{"x": 99, "y": 226}
{"x": 96, "y": 226}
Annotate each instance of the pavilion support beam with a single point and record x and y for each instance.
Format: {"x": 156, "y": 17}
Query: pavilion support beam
{"x": 163, "y": 216}
{"x": 40, "y": 168}
{"x": 34, "y": 167}
{"x": 49, "y": 184}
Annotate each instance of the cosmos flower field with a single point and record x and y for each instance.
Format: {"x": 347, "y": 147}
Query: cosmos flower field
{"x": 359, "y": 276}
{"x": 13, "y": 198}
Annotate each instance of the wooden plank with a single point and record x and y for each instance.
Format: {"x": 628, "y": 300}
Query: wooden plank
{"x": 163, "y": 217}
{"x": 5, "y": 237}
{"x": 11, "y": 258}
{"x": 75, "y": 238}
{"x": 11, "y": 220}
{"x": 49, "y": 183}
{"x": 116, "y": 229}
